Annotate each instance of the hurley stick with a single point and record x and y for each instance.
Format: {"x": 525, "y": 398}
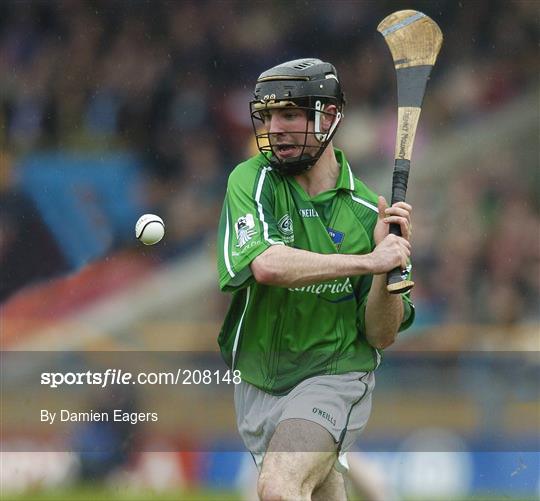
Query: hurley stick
{"x": 414, "y": 41}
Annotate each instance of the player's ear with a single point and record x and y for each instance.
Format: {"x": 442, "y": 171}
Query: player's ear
{"x": 329, "y": 116}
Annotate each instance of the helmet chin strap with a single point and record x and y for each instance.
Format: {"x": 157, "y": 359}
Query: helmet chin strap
{"x": 321, "y": 136}
{"x": 294, "y": 166}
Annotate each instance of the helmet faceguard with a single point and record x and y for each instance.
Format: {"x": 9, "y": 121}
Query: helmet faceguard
{"x": 306, "y": 84}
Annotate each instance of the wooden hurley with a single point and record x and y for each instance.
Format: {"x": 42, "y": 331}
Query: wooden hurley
{"x": 414, "y": 41}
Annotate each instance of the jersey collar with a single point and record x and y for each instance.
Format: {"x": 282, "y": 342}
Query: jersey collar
{"x": 345, "y": 180}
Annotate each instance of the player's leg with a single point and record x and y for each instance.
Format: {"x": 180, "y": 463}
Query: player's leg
{"x": 333, "y": 487}
{"x": 299, "y": 458}
{"x": 368, "y": 480}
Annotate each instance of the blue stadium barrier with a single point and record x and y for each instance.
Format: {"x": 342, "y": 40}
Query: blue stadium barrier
{"x": 89, "y": 202}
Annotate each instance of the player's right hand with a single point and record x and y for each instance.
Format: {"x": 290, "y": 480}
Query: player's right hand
{"x": 390, "y": 253}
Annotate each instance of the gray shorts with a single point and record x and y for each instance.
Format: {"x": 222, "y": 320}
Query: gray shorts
{"x": 339, "y": 403}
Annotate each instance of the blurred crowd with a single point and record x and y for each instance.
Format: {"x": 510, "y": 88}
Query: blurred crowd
{"x": 170, "y": 80}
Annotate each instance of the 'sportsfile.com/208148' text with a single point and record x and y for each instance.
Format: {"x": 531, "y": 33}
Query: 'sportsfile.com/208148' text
{"x": 119, "y": 376}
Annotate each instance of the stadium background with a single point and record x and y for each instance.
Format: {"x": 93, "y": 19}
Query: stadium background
{"x": 112, "y": 109}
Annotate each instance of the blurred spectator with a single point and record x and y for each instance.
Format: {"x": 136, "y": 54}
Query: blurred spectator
{"x": 106, "y": 446}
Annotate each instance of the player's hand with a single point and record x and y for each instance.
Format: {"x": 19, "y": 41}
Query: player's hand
{"x": 390, "y": 253}
{"x": 399, "y": 213}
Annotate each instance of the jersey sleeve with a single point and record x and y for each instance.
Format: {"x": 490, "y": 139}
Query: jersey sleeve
{"x": 247, "y": 225}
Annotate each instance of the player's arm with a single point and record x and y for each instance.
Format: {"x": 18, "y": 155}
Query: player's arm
{"x": 384, "y": 311}
{"x": 284, "y": 266}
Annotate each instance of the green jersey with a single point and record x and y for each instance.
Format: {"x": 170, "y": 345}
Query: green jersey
{"x": 278, "y": 336}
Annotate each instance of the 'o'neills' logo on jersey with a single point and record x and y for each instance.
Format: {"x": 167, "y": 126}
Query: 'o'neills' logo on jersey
{"x": 308, "y": 213}
{"x": 285, "y": 227}
{"x": 337, "y": 286}
{"x": 245, "y": 229}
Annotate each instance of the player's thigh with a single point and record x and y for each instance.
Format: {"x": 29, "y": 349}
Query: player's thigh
{"x": 300, "y": 452}
{"x": 333, "y": 487}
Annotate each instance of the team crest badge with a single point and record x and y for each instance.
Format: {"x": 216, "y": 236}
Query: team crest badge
{"x": 245, "y": 229}
{"x": 285, "y": 227}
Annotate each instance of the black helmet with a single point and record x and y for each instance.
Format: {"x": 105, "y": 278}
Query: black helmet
{"x": 308, "y": 84}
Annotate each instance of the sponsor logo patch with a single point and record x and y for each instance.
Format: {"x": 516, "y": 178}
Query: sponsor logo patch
{"x": 337, "y": 286}
{"x": 245, "y": 229}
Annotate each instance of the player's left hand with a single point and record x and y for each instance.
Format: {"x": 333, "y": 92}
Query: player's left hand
{"x": 399, "y": 213}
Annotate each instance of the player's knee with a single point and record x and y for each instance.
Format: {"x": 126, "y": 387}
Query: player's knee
{"x": 269, "y": 491}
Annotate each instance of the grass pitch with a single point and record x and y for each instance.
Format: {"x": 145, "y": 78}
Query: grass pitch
{"x": 111, "y": 494}
{"x": 104, "y": 494}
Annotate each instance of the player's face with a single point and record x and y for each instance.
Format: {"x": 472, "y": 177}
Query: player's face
{"x": 287, "y": 129}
